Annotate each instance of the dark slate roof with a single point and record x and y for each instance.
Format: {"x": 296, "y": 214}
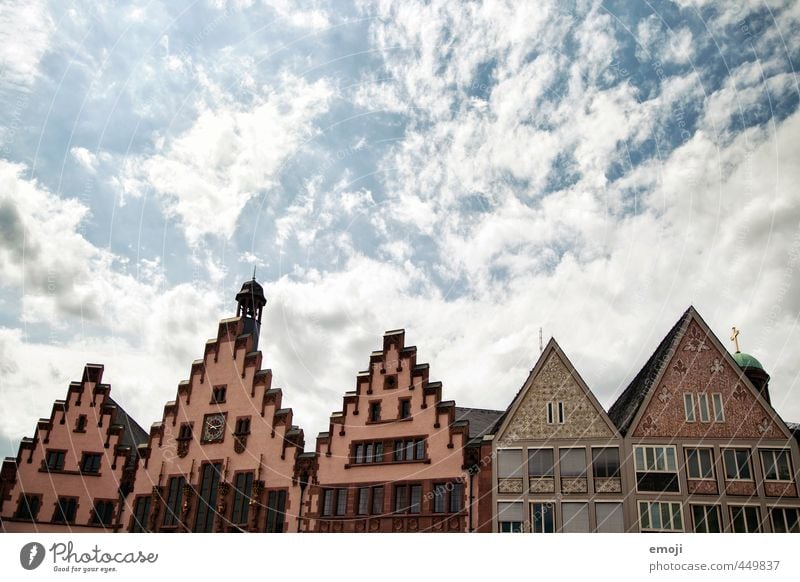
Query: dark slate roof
{"x": 623, "y": 411}
{"x": 133, "y": 435}
{"x": 481, "y": 421}
{"x": 795, "y": 428}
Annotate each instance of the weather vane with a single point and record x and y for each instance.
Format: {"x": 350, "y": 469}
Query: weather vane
{"x": 735, "y": 338}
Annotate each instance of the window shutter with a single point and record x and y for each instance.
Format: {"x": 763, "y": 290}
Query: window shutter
{"x": 509, "y": 463}
{"x": 575, "y": 518}
{"x": 609, "y": 517}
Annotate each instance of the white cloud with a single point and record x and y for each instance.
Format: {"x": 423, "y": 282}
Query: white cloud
{"x": 26, "y": 29}
{"x": 206, "y": 175}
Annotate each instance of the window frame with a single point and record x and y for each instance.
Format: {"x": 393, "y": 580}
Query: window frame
{"x": 703, "y": 407}
{"x": 706, "y": 506}
{"x": 534, "y": 450}
{"x": 59, "y": 510}
{"x": 719, "y": 413}
{"x": 649, "y": 504}
{"x": 749, "y": 451}
{"x": 374, "y": 405}
{"x": 784, "y": 453}
{"x": 173, "y": 503}
{"x": 85, "y": 457}
{"x": 95, "y": 517}
{"x": 744, "y": 506}
{"x": 618, "y": 474}
{"x": 582, "y": 450}
{"x": 141, "y": 523}
{"x": 221, "y": 390}
{"x": 62, "y": 460}
{"x": 404, "y": 408}
{"x": 655, "y": 458}
{"x": 688, "y": 449}
{"x": 24, "y": 501}
{"x": 689, "y": 412}
{"x": 532, "y": 510}
{"x": 783, "y": 509}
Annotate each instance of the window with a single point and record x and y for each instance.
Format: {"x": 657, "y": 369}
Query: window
{"x": 719, "y": 411}
{"x": 745, "y": 519}
{"x": 377, "y": 500}
{"x": 415, "y": 505}
{"x": 363, "y": 500}
{"x": 540, "y": 462}
{"x": 28, "y": 507}
{"x": 242, "y": 425}
{"x": 785, "y": 520}
{"x": 657, "y": 516}
{"x": 448, "y": 497}
{"x": 706, "y": 519}
{"x": 609, "y": 517}
{"x": 542, "y": 518}
{"x": 409, "y": 450}
{"x": 575, "y": 518}
{"x": 509, "y": 517}
{"x": 457, "y": 498}
{"x": 367, "y": 453}
{"x": 688, "y": 407}
{"x": 390, "y": 381}
{"x": 341, "y": 502}
{"x": 405, "y": 408}
{"x": 374, "y": 411}
{"x": 776, "y": 465}
{"x": 90, "y": 463}
{"x": 174, "y": 498}
{"x": 572, "y": 462}
{"x": 439, "y": 497}
{"x": 605, "y": 462}
{"x": 555, "y": 412}
{"x": 276, "y": 511}
{"x": 65, "y": 510}
{"x": 55, "y": 460}
{"x": 206, "y": 504}
{"x": 327, "y": 502}
{"x": 141, "y": 514}
{"x": 400, "y": 498}
{"x": 700, "y": 463}
{"x": 656, "y": 469}
{"x": 737, "y": 464}
{"x": 243, "y": 489}
{"x": 509, "y": 463}
{"x": 80, "y": 423}
{"x": 103, "y": 513}
{"x": 702, "y": 401}
{"x": 218, "y": 394}
{"x": 185, "y": 433}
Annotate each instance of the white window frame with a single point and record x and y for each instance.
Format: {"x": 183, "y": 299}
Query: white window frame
{"x": 749, "y": 460}
{"x": 552, "y": 505}
{"x": 732, "y": 508}
{"x": 702, "y": 405}
{"x": 646, "y": 469}
{"x": 719, "y": 411}
{"x": 783, "y": 513}
{"x": 706, "y": 506}
{"x": 774, "y": 452}
{"x": 671, "y": 505}
{"x": 686, "y": 450}
{"x": 688, "y": 407}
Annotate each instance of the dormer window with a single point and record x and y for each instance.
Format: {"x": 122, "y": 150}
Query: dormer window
{"x": 218, "y": 394}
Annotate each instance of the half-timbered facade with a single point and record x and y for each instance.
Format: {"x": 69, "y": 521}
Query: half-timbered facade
{"x": 557, "y": 456}
{"x": 395, "y": 458}
{"x": 223, "y": 456}
{"x": 706, "y": 451}
{"x": 74, "y": 473}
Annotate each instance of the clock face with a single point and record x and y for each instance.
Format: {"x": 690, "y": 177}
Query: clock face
{"x": 214, "y": 428}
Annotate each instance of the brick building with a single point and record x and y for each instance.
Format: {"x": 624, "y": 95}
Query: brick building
{"x": 77, "y": 469}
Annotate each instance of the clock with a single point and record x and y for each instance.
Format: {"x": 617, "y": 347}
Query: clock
{"x": 214, "y": 428}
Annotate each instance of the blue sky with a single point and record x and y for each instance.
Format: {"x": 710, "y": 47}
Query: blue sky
{"x": 469, "y": 171}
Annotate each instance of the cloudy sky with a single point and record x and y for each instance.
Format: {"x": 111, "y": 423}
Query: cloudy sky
{"x": 470, "y": 171}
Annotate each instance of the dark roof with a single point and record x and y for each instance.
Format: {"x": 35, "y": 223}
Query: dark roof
{"x": 481, "y": 421}
{"x": 623, "y": 411}
{"x": 133, "y": 435}
{"x": 794, "y": 427}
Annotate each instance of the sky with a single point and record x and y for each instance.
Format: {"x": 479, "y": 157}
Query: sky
{"x": 472, "y": 172}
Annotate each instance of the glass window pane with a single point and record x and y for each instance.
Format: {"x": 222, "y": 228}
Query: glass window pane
{"x": 644, "y": 517}
{"x": 671, "y": 465}
{"x": 688, "y": 405}
{"x": 639, "y": 453}
{"x": 719, "y": 412}
{"x": 677, "y": 522}
{"x": 743, "y": 462}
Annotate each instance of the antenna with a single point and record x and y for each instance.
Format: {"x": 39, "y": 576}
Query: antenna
{"x": 541, "y": 347}
{"x": 254, "y": 271}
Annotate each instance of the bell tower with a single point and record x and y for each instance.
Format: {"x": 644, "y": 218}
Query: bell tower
{"x": 250, "y": 305}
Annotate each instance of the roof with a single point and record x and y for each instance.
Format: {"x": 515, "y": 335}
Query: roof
{"x": 481, "y": 421}
{"x": 623, "y": 411}
{"x": 747, "y": 361}
{"x": 133, "y": 435}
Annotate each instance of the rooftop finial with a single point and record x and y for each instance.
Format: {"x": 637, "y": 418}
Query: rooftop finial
{"x": 735, "y": 338}
{"x": 254, "y": 272}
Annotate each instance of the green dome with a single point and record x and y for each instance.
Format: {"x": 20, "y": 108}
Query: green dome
{"x": 747, "y": 361}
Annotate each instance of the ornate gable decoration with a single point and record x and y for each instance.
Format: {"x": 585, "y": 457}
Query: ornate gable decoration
{"x": 554, "y": 381}
{"x": 699, "y": 367}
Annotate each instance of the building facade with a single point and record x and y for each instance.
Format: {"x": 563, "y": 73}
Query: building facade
{"x": 557, "y": 456}
{"x": 704, "y": 449}
{"x": 395, "y": 458}
{"x": 76, "y": 471}
{"x": 223, "y": 456}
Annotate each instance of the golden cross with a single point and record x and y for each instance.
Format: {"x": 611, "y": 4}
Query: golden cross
{"x": 735, "y": 337}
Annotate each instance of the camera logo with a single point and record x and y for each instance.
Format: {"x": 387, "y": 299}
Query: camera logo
{"x": 31, "y": 555}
